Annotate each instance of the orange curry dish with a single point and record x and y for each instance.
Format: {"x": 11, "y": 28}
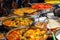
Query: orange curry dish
{"x": 30, "y": 34}
{"x": 18, "y": 22}
{"x": 42, "y": 6}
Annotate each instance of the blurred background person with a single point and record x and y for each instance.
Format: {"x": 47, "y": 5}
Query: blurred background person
{"x": 2, "y": 9}
{"x": 8, "y": 4}
{"x": 19, "y": 2}
{"x": 14, "y": 5}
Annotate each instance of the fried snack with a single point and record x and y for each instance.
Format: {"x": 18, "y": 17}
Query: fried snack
{"x": 23, "y": 11}
{"x": 29, "y": 10}
{"x": 19, "y": 12}
{"x": 1, "y": 36}
{"x": 41, "y": 25}
{"x": 17, "y": 22}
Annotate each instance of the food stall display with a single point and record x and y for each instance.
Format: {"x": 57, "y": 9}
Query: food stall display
{"x": 28, "y": 24}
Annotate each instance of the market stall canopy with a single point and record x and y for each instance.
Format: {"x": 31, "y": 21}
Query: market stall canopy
{"x": 53, "y": 1}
